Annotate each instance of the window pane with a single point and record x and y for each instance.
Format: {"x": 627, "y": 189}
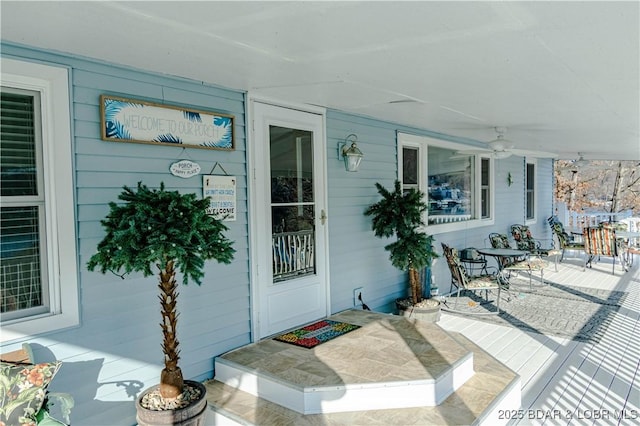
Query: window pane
{"x": 17, "y": 145}
{"x": 530, "y": 191}
{"x": 485, "y": 189}
{"x": 291, "y": 165}
{"x": 409, "y": 166}
{"x": 451, "y": 180}
{"x": 530, "y": 205}
{"x": 20, "y": 274}
{"x": 530, "y": 177}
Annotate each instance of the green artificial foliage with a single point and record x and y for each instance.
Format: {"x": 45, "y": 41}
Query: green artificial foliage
{"x": 165, "y": 230}
{"x": 153, "y": 227}
{"x": 399, "y": 215}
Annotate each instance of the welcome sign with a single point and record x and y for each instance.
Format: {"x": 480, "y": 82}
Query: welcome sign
{"x": 221, "y": 192}
{"x": 128, "y": 120}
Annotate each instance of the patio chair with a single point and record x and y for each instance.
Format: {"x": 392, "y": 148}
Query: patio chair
{"x": 526, "y": 263}
{"x": 626, "y": 248}
{"x": 565, "y": 240}
{"x": 462, "y": 281}
{"x": 501, "y": 241}
{"x": 524, "y": 241}
{"x": 601, "y": 241}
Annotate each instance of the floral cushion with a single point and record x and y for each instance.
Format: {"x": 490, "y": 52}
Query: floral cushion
{"x": 522, "y": 235}
{"x": 499, "y": 241}
{"x": 533, "y": 263}
{"x": 22, "y": 391}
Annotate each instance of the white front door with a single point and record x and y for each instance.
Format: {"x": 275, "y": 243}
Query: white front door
{"x": 290, "y": 275}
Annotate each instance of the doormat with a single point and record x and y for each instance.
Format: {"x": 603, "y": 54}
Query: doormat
{"x": 314, "y": 334}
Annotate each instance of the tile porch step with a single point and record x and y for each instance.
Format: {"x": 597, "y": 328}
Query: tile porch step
{"x": 493, "y": 388}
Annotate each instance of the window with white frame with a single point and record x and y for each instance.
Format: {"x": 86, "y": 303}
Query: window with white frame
{"x": 530, "y": 187}
{"x": 458, "y": 186}
{"x": 38, "y": 262}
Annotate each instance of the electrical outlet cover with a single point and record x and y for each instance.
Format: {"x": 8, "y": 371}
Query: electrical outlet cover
{"x": 356, "y": 293}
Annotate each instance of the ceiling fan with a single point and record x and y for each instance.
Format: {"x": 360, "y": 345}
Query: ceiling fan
{"x": 504, "y": 148}
{"x": 580, "y": 161}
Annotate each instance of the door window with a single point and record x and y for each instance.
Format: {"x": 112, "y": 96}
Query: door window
{"x": 292, "y": 203}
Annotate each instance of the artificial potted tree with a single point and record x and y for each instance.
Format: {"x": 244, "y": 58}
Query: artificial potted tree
{"x": 159, "y": 232}
{"x": 399, "y": 214}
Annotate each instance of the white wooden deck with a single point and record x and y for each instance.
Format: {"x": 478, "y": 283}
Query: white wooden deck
{"x": 564, "y": 381}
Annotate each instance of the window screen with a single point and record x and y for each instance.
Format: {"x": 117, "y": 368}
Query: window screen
{"x": 21, "y": 214}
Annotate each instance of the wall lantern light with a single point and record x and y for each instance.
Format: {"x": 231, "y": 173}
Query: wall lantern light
{"x": 349, "y": 151}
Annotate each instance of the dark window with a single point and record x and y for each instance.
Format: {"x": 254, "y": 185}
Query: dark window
{"x": 21, "y": 215}
{"x": 485, "y": 188}
{"x": 531, "y": 175}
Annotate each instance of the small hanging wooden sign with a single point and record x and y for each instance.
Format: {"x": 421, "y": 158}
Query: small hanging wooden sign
{"x": 185, "y": 168}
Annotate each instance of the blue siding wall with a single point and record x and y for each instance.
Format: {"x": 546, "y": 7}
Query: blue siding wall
{"x": 116, "y": 350}
{"x": 357, "y": 257}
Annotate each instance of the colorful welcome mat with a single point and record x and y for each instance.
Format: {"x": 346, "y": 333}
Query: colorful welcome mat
{"x": 316, "y": 333}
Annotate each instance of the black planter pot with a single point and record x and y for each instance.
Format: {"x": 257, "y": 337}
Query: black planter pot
{"x": 191, "y": 415}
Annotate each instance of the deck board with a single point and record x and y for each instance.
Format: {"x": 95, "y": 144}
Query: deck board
{"x": 580, "y": 380}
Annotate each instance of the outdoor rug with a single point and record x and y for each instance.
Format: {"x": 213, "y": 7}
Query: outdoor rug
{"x": 314, "y": 334}
{"x": 577, "y": 313}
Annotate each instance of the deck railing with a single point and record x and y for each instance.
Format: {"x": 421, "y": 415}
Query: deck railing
{"x": 579, "y": 220}
{"x": 293, "y": 254}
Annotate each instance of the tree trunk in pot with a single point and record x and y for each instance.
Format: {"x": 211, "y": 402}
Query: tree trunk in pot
{"x": 414, "y": 284}
{"x": 171, "y": 380}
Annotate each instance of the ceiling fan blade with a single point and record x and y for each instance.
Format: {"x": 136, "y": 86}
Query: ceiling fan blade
{"x": 537, "y": 154}
{"x": 466, "y": 153}
{"x": 473, "y": 151}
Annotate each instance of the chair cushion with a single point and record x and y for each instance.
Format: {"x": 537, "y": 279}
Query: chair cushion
{"x": 499, "y": 241}
{"x": 534, "y": 263}
{"x": 22, "y": 390}
{"x": 600, "y": 241}
{"x": 482, "y": 282}
{"x": 522, "y": 235}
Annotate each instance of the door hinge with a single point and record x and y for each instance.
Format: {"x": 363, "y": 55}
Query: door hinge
{"x": 323, "y": 217}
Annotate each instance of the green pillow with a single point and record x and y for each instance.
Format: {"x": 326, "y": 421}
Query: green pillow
{"x": 44, "y": 419}
{"x": 22, "y": 390}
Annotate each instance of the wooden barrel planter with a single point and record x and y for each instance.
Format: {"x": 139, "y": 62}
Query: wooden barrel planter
{"x": 193, "y": 414}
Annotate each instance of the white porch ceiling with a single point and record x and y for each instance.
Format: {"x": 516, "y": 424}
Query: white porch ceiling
{"x": 562, "y": 77}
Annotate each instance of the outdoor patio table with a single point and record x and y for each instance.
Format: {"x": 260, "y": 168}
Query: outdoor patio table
{"x": 501, "y": 255}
